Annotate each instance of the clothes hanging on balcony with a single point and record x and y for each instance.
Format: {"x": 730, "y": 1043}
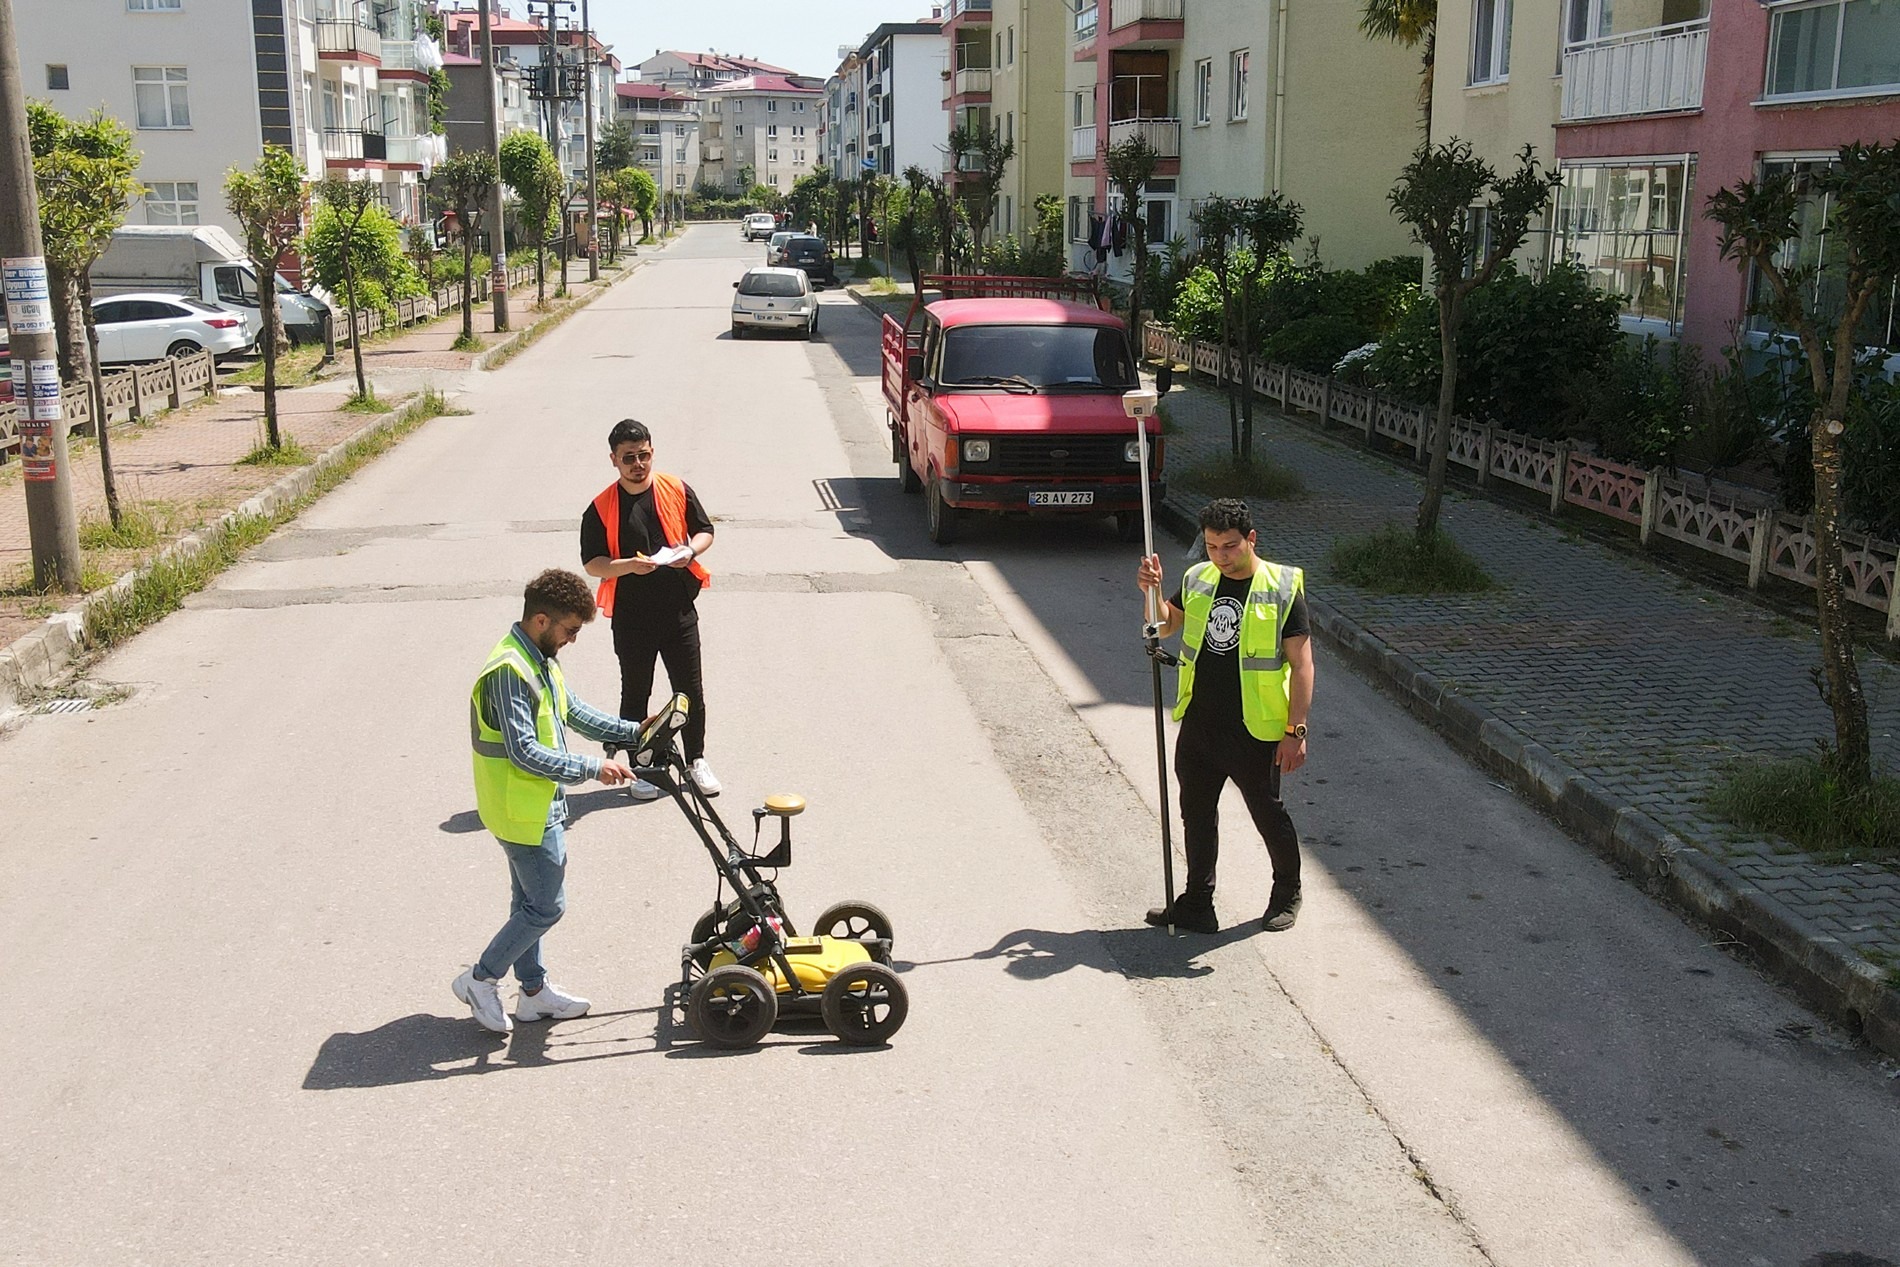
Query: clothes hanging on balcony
{"x": 1099, "y": 238}
{"x": 1118, "y": 233}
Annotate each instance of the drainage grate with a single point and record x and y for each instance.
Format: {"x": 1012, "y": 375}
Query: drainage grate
{"x": 66, "y": 706}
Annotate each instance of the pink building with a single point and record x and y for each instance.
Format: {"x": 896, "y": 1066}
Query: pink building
{"x": 1655, "y": 120}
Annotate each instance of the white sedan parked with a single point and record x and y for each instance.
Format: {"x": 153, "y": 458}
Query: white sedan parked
{"x": 774, "y": 299}
{"x": 150, "y": 327}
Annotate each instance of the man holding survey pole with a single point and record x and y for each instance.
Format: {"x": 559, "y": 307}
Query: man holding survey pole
{"x": 643, "y": 537}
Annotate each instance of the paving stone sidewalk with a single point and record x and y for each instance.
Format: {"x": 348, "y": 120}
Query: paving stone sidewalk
{"x": 1645, "y": 682}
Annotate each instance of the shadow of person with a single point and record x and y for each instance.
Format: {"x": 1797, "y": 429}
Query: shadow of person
{"x": 425, "y": 1048}
{"x": 461, "y": 824}
{"x": 1037, "y": 954}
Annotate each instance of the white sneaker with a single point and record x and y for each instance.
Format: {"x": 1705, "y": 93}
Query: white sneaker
{"x": 641, "y": 790}
{"x": 704, "y": 779}
{"x": 484, "y": 1001}
{"x": 549, "y": 1005}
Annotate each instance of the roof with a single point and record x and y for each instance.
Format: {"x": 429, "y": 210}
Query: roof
{"x": 721, "y": 61}
{"x": 1019, "y": 312}
{"x": 763, "y": 83}
{"x": 889, "y": 29}
{"x": 456, "y": 59}
{"x": 650, "y": 92}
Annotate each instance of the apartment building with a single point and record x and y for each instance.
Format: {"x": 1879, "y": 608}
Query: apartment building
{"x": 1653, "y": 106}
{"x": 1005, "y": 67}
{"x": 692, "y": 71}
{"x": 905, "y": 110}
{"x": 1241, "y": 99}
{"x": 343, "y": 86}
{"x": 841, "y": 119}
{"x": 526, "y": 46}
{"x": 467, "y": 122}
{"x": 665, "y": 125}
{"x": 764, "y": 126}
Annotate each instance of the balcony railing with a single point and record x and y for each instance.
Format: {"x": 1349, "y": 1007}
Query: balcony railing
{"x": 960, "y": 7}
{"x": 1123, "y": 12}
{"x": 346, "y": 35}
{"x": 1163, "y": 134}
{"x": 713, "y": 154}
{"x": 354, "y": 145}
{"x": 1085, "y": 20}
{"x": 1643, "y": 72}
{"x": 1082, "y": 144}
{"x": 973, "y": 80}
{"x": 401, "y": 55}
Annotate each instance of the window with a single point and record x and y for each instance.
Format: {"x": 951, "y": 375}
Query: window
{"x": 1490, "y": 42}
{"x": 771, "y": 131}
{"x": 679, "y": 156}
{"x": 1204, "y": 90}
{"x": 1237, "y": 84}
{"x": 154, "y": 6}
{"x": 1075, "y": 218}
{"x": 679, "y": 180}
{"x": 171, "y": 202}
{"x": 649, "y": 156}
{"x": 798, "y": 129}
{"x": 160, "y": 93}
{"x": 1627, "y": 226}
{"x": 798, "y": 107}
{"x": 1081, "y": 110}
{"x": 235, "y": 285}
{"x": 771, "y": 156}
{"x": 738, "y": 130}
{"x": 1842, "y": 47}
{"x": 1009, "y": 128}
{"x": 649, "y": 129}
{"x": 1815, "y": 249}
{"x": 775, "y": 180}
{"x": 771, "y": 107}
{"x": 679, "y": 129}
{"x": 57, "y": 79}
{"x": 1011, "y": 61}
{"x": 1008, "y": 212}
{"x": 738, "y": 107}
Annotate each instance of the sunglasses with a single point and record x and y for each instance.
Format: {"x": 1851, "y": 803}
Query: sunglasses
{"x": 636, "y": 459}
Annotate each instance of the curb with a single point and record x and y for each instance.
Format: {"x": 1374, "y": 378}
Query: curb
{"x": 36, "y": 659}
{"x": 1832, "y": 980}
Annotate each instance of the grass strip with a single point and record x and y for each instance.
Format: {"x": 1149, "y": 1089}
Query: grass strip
{"x": 1225, "y": 475}
{"x": 1391, "y": 560}
{"x": 1803, "y": 801}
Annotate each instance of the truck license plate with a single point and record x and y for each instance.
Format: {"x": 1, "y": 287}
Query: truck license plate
{"x": 1062, "y": 499}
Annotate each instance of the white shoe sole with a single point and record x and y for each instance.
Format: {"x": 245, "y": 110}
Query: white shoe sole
{"x": 552, "y": 1016}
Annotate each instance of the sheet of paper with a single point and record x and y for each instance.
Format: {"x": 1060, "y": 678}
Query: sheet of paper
{"x": 668, "y": 557}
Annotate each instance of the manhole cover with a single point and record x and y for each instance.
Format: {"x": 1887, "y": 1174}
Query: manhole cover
{"x": 66, "y": 706}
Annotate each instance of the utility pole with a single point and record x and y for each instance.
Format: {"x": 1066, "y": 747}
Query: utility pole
{"x": 498, "y": 229}
{"x": 593, "y": 192}
{"x": 39, "y": 411}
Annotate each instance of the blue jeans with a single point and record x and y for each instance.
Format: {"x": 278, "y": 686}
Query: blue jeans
{"x": 536, "y": 872}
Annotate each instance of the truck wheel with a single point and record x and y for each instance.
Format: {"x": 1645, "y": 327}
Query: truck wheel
{"x": 906, "y": 478}
{"x": 865, "y": 1004}
{"x": 1128, "y": 525}
{"x": 939, "y": 516}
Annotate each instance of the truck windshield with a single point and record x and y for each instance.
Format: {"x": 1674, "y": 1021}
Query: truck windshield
{"x": 1043, "y": 357}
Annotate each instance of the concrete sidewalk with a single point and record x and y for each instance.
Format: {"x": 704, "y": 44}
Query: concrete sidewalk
{"x": 1612, "y": 691}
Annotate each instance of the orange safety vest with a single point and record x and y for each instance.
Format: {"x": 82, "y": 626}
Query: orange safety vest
{"x": 669, "y": 498}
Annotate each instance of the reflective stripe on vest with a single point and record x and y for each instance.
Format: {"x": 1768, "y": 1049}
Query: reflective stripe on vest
{"x": 669, "y": 502}
{"x": 1265, "y": 676}
{"x": 513, "y": 803}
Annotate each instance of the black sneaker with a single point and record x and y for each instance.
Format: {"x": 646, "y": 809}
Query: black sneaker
{"x": 1195, "y": 917}
{"x": 1283, "y": 908}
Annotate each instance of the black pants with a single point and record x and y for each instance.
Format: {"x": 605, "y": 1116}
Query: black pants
{"x": 677, "y": 645}
{"x": 1202, "y": 764}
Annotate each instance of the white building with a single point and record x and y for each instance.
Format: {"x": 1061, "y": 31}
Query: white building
{"x": 906, "y": 115}
{"x": 841, "y": 119}
{"x": 206, "y": 85}
{"x": 765, "y": 123}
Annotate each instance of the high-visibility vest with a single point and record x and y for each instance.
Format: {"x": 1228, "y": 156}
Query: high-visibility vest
{"x": 513, "y": 803}
{"x": 1265, "y": 676}
{"x": 669, "y": 499}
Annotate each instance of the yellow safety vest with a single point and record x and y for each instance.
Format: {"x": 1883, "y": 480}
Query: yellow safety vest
{"x": 513, "y": 803}
{"x": 1265, "y": 676}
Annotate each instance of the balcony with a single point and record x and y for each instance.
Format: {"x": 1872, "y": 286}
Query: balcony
{"x": 713, "y": 154}
{"x": 976, "y": 79}
{"x": 344, "y": 39}
{"x": 1642, "y": 72}
{"x": 1082, "y": 144}
{"x": 1128, "y": 12}
{"x": 404, "y": 151}
{"x": 354, "y": 147}
{"x": 401, "y": 61}
{"x": 960, "y": 7}
{"x": 967, "y": 13}
{"x": 1163, "y": 134}
{"x": 1085, "y": 21}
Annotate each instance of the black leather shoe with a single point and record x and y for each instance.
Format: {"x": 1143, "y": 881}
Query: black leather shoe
{"x": 1195, "y": 917}
{"x": 1283, "y": 908}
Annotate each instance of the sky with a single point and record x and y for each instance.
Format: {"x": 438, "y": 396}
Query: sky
{"x": 801, "y": 35}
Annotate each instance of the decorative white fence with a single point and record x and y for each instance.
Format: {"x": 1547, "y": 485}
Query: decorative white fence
{"x": 1643, "y": 72}
{"x": 1163, "y": 134}
{"x": 1656, "y": 503}
{"x": 974, "y": 79}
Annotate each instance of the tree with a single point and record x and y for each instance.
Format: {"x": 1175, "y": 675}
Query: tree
{"x": 1217, "y": 221}
{"x": 643, "y": 196}
{"x": 467, "y": 179}
{"x": 810, "y": 199}
{"x": 614, "y": 147}
{"x": 528, "y": 167}
{"x": 978, "y": 186}
{"x": 764, "y": 197}
{"x": 1131, "y": 165}
{"x": 612, "y": 195}
{"x": 1409, "y": 24}
{"x": 1758, "y": 221}
{"x": 909, "y": 233}
{"x": 1268, "y": 226}
{"x": 349, "y": 201}
{"x": 84, "y": 174}
{"x": 267, "y": 203}
{"x": 1471, "y": 220}
{"x": 746, "y": 177}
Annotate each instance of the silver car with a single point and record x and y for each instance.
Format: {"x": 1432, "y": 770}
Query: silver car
{"x": 775, "y": 248}
{"x": 774, "y": 299}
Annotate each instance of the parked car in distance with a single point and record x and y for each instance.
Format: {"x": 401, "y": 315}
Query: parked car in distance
{"x": 774, "y": 299}
{"x": 775, "y": 247}
{"x": 152, "y": 326}
{"x": 758, "y": 226}
{"x": 812, "y": 256}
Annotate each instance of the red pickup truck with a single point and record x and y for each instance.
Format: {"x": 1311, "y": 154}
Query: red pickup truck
{"x": 1006, "y": 395}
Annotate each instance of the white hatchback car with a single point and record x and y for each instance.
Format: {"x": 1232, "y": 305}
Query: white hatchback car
{"x": 151, "y": 327}
{"x": 774, "y": 299}
{"x": 758, "y": 226}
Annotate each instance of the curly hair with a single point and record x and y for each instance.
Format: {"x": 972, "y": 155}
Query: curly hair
{"x": 1227, "y": 514}
{"x": 558, "y": 592}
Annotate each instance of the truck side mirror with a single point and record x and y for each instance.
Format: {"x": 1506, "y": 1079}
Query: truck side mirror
{"x": 1164, "y": 378}
{"x": 914, "y": 366}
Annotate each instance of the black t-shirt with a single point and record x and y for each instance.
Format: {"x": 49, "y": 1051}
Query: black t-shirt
{"x": 663, "y": 594}
{"x": 1215, "y": 707}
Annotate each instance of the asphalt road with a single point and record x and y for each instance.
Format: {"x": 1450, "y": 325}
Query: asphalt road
{"x": 237, "y": 898}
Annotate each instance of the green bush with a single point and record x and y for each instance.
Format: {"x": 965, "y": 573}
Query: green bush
{"x": 1315, "y": 343}
{"x": 384, "y": 271}
{"x": 1870, "y": 479}
{"x": 1196, "y": 312}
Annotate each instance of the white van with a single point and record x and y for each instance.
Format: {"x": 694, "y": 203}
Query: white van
{"x": 205, "y": 262}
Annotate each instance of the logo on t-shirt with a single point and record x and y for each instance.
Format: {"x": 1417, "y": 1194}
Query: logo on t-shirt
{"x": 1223, "y": 626}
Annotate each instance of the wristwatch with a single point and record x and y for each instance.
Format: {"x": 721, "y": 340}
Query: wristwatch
{"x": 1297, "y": 731}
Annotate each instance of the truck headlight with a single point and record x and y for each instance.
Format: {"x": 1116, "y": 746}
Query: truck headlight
{"x": 1131, "y": 452}
{"x": 976, "y": 450}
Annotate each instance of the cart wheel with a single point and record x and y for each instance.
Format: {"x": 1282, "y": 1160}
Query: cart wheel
{"x": 733, "y": 1006}
{"x": 865, "y": 1004}
{"x": 855, "y": 921}
{"x": 703, "y": 929}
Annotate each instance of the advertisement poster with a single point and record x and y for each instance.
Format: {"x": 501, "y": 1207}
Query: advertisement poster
{"x": 6, "y": 383}
{"x": 36, "y": 452}
{"x": 29, "y": 303}
{"x": 43, "y": 402}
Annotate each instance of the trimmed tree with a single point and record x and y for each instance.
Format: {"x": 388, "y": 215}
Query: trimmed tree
{"x": 528, "y": 167}
{"x": 84, "y": 174}
{"x": 1758, "y": 223}
{"x": 1131, "y": 165}
{"x": 466, "y": 180}
{"x": 1471, "y": 220}
{"x": 643, "y": 195}
{"x": 267, "y": 203}
{"x": 1268, "y": 226}
{"x": 1217, "y": 221}
{"x": 977, "y": 190}
{"x": 349, "y": 201}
